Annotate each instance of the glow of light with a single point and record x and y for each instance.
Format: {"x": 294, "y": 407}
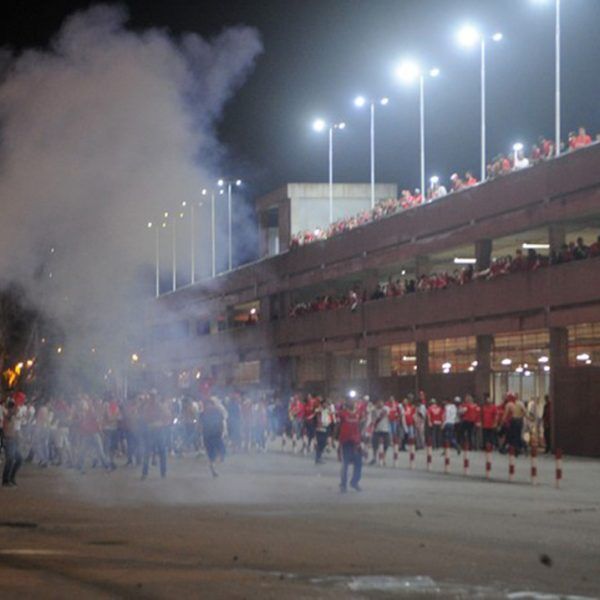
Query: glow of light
{"x": 360, "y": 101}
{"x": 518, "y": 147}
{"x": 403, "y": 272}
{"x": 204, "y": 191}
{"x": 319, "y": 125}
{"x": 352, "y": 393}
{"x": 543, "y": 359}
{"x": 409, "y": 358}
{"x": 59, "y": 350}
{"x": 498, "y": 37}
{"x": 221, "y": 183}
{"x": 468, "y": 36}
{"x": 528, "y": 246}
{"x": 464, "y": 261}
{"x": 93, "y": 350}
{"x": 164, "y": 225}
{"x": 181, "y": 215}
{"x": 446, "y": 366}
{"x": 341, "y": 125}
{"x": 134, "y": 357}
{"x": 471, "y": 368}
{"x": 527, "y": 373}
{"x": 252, "y": 311}
{"x": 19, "y": 366}
{"x": 474, "y": 363}
{"x": 29, "y": 363}
{"x": 408, "y": 71}
{"x": 519, "y": 369}
{"x": 166, "y": 215}
{"x": 588, "y": 362}
{"x": 184, "y": 204}
{"x": 149, "y": 224}
{"x": 547, "y": 368}
{"x": 434, "y": 72}
{"x": 317, "y": 231}
{"x": 51, "y": 250}
{"x": 221, "y": 192}
{"x": 583, "y": 357}
{"x": 434, "y": 179}
{"x": 238, "y": 182}
{"x": 384, "y": 101}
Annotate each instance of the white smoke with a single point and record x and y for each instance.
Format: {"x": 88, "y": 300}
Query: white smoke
{"x": 100, "y": 133}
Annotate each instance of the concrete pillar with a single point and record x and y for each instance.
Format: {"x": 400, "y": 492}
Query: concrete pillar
{"x": 373, "y": 372}
{"x": 483, "y": 372}
{"x": 422, "y": 365}
{"x": 559, "y": 357}
{"x": 329, "y": 383}
{"x": 556, "y": 237}
{"x": 422, "y": 266}
{"x": 285, "y": 304}
{"x": 284, "y": 375}
{"x": 483, "y": 254}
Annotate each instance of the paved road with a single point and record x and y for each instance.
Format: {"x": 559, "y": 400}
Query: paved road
{"x": 275, "y": 526}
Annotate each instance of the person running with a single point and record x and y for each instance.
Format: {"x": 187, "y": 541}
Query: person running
{"x": 214, "y": 424}
{"x": 349, "y": 420}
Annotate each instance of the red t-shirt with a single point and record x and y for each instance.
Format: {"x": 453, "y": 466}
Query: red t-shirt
{"x": 409, "y": 414}
{"x": 393, "y": 410}
{"x": 471, "y": 412}
{"x": 349, "y": 426}
{"x": 436, "y": 414}
{"x": 489, "y": 414}
{"x": 580, "y": 141}
{"x": 297, "y": 410}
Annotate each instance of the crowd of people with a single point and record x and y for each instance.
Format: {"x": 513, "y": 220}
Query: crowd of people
{"x": 89, "y": 432}
{"x": 519, "y": 262}
{"x": 501, "y": 164}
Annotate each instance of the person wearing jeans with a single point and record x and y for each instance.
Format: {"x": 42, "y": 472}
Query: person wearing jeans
{"x": 351, "y": 451}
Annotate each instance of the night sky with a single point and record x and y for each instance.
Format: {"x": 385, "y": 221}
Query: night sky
{"x": 320, "y": 53}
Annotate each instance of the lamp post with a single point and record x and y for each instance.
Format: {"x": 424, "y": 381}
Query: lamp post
{"x": 320, "y": 125}
{"x": 468, "y": 36}
{"x": 156, "y": 257}
{"x": 407, "y": 72}
{"x": 213, "y": 248}
{"x": 229, "y": 183}
{"x": 359, "y": 102}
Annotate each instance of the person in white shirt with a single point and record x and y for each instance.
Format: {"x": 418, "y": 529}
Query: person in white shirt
{"x": 449, "y": 424}
{"x": 521, "y": 161}
{"x": 380, "y": 421}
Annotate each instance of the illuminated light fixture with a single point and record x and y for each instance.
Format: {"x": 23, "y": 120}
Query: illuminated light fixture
{"x": 221, "y": 182}
{"x": 149, "y": 224}
{"x": 588, "y": 362}
{"x": 468, "y": 36}
{"x": 384, "y": 101}
{"x": 198, "y": 375}
{"x": 59, "y": 350}
{"x": 29, "y": 363}
{"x": 19, "y": 366}
{"x": 547, "y": 368}
{"x": 525, "y": 366}
{"x": 528, "y": 246}
{"x": 181, "y": 215}
{"x": 403, "y": 272}
{"x": 317, "y": 231}
{"x": 93, "y": 351}
{"x": 341, "y": 125}
{"x": 474, "y": 363}
{"x": 184, "y": 204}
{"x": 238, "y": 182}
{"x": 584, "y": 356}
{"x": 498, "y": 37}
{"x": 134, "y": 357}
{"x": 464, "y": 261}
{"x": 166, "y": 215}
{"x": 221, "y": 192}
{"x": 447, "y": 366}
{"x": 52, "y": 250}
{"x": 360, "y": 101}
{"x": 543, "y": 359}
{"x": 204, "y": 191}
{"x": 408, "y": 71}
{"x": 415, "y": 368}
{"x": 435, "y": 179}
{"x": 434, "y": 72}
{"x": 362, "y": 361}
{"x": 253, "y": 311}
{"x": 352, "y": 393}
{"x": 518, "y": 147}
{"x": 319, "y": 125}
{"x": 527, "y": 373}
{"x": 164, "y": 225}
{"x": 519, "y": 369}
{"x": 408, "y": 358}
{"x": 471, "y": 368}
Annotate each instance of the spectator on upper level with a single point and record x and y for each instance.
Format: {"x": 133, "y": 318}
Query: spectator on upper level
{"x": 437, "y": 190}
{"x": 536, "y": 154}
{"x": 580, "y": 140}
{"x": 456, "y": 182}
{"x": 469, "y": 179}
{"x": 520, "y": 161}
{"x": 546, "y": 147}
{"x": 595, "y": 248}
{"x": 417, "y": 197}
{"x": 378, "y": 294}
{"x": 581, "y": 250}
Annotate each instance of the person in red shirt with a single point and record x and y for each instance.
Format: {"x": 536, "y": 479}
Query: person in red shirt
{"x": 468, "y": 413}
{"x": 409, "y": 418}
{"x": 469, "y": 179}
{"x": 393, "y": 417}
{"x": 296, "y": 414}
{"x": 309, "y": 419}
{"x": 489, "y": 421}
{"x": 349, "y": 436}
{"x": 581, "y": 139}
{"x": 435, "y": 417}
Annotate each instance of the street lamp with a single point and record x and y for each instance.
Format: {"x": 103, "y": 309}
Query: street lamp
{"x": 229, "y": 183}
{"x": 468, "y": 36}
{"x": 557, "y": 108}
{"x": 319, "y": 125}
{"x": 407, "y": 72}
{"x": 359, "y": 102}
{"x": 156, "y": 257}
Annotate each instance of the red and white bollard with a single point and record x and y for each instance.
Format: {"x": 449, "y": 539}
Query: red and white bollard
{"x": 429, "y": 455}
{"x": 294, "y": 446}
{"x": 488, "y": 461}
{"x": 559, "y": 471}
{"x": 466, "y": 458}
{"x": 534, "y": 469}
{"x": 446, "y": 458}
{"x": 380, "y": 455}
{"x": 511, "y": 463}
{"x": 411, "y": 453}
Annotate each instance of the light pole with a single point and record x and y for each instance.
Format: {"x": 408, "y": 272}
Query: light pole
{"x": 557, "y": 102}
{"x": 320, "y": 125}
{"x": 359, "y": 102}
{"x": 156, "y": 257}
{"x": 408, "y": 72}
{"x": 468, "y": 36}
{"x": 213, "y": 249}
{"x": 229, "y": 183}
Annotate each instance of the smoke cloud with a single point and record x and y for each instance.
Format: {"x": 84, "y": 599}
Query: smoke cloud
{"x": 100, "y": 133}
